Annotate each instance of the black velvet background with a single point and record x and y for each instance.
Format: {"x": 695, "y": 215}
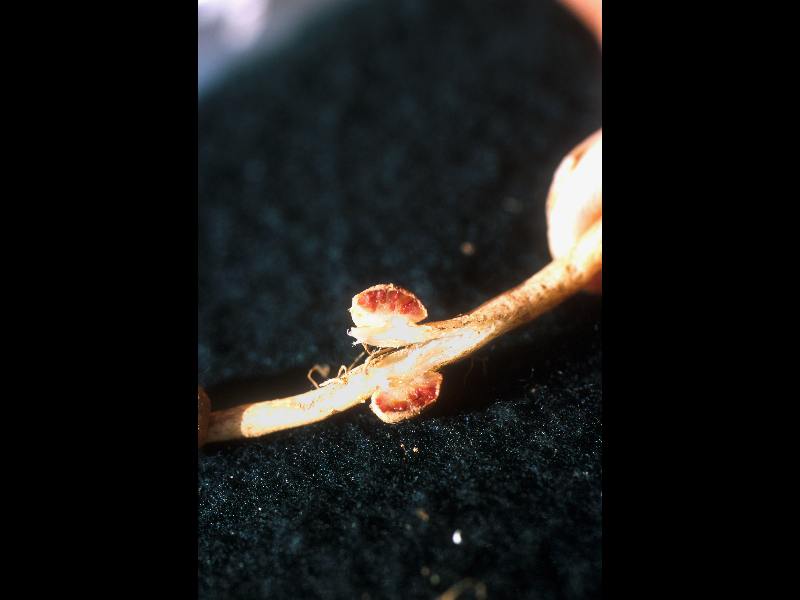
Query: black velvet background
{"x": 368, "y": 150}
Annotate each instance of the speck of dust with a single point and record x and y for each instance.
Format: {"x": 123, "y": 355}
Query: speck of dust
{"x": 457, "y": 536}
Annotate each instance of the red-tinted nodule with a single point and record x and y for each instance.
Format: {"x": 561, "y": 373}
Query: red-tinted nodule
{"x": 383, "y": 301}
{"x": 404, "y": 396}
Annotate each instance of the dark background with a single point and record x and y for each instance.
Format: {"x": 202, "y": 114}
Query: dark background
{"x": 367, "y": 150}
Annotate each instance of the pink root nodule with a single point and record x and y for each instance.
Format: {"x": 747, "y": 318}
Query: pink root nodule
{"x": 406, "y": 398}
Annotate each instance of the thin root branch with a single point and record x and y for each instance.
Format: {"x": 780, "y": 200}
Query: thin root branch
{"x": 323, "y": 370}
{"x": 414, "y": 368}
{"x": 358, "y": 358}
